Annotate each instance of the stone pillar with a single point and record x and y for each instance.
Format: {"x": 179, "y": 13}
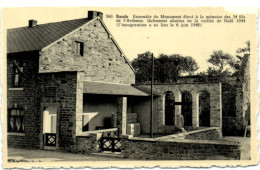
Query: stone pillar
{"x": 239, "y": 103}
{"x": 216, "y": 107}
{"x": 160, "y": 114}
{"x": 195, "y": 110}
{"x": 177, "y": 96}
{"x": 121, "y": 114}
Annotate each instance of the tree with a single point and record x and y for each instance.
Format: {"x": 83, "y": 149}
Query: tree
{"x": 244, "y": 50}
{"x": 220, "y": 60}
{"x": 189, "y": 65}
{"x": 224, "y": 65}
{"x": 167, "y": 68}
{"x": 240, "y": 55}
{"x": 142, "y": 66}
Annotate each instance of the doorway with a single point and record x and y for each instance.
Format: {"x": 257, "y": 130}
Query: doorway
{"x": 49, "y": 126}
{"x": 186, "y": 108}
{"x": 204, "y": 109}
{"x": 169, "y": 108}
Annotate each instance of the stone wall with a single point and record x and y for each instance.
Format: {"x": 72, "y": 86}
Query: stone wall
{"x": 205, "y": 134}
{"x": 16, "y": 140}
{"x": 102, "y": 60}
{"x": 212, "y": 133}
{"x": 88, "y": 144}
{"x": 243, "y": 96}
{"x": 151, "y": 149}
{"x": 246, "y": 90}
{"x": 32, "y": 94}
{"x": 24, "y": 97}
{"x": 214, "y": 89}
{"x": 66, "y": 85}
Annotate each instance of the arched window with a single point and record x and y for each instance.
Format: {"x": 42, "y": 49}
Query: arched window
{"x": 186, "y": 109}
{"x": 204, "y": 109}
{"x": 169, "y": 108}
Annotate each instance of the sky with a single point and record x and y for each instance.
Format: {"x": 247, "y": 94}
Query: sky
{"x": 198, "y": 43}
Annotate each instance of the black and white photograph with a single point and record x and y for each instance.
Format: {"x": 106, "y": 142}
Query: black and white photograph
{"x": 105, "y": 86}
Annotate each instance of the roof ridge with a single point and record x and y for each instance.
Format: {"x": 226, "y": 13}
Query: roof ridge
{"x": 55, "y": 22}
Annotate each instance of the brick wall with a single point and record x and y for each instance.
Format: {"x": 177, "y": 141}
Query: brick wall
{"x": 102, "y": 60}
{"x": 150, "y": 149}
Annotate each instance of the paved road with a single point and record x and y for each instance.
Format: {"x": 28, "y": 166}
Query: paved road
{"x": 31, "y": 155}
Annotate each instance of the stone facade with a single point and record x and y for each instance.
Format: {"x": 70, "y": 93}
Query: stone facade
{"x": 24, "y": 97}
{"x": 144, "y": 149}
{"x": 32, "y": 97}
{"x": 214, "y": 89}
{"x": 101, "y": 61}
{"x": 58, "y": 67}
{"x": 65, "y": 84}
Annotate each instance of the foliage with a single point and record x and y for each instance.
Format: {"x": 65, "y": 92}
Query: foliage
{"x": 142, "y": 66}
{"x": 221, "y": 61}
{"x": 240, "y": 54}
{"x": 167, "y": 68}
{"x": 223, "y": 64}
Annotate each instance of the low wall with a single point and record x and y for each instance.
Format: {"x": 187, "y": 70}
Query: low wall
{"x": 90, "y": 143}
{"x": 154, "y": 149}
{"x": 211, "y": 133}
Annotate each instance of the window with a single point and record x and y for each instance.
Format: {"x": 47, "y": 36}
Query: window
{"x": 79, "y": 48}
{"x": 16, "y": 120}
{"x": 17, "y": 79}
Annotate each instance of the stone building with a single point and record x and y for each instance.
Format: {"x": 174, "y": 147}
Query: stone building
{"x": 69, "y": 81}
{"x": 66, "y": 79}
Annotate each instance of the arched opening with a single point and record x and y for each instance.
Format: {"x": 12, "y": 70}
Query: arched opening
{"x": 204, "y": 109}
{"x": 169, "y": 108}
{"x": 186, "y": 108}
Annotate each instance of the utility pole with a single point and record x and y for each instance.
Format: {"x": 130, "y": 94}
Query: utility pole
{"x": 151, "y": 109}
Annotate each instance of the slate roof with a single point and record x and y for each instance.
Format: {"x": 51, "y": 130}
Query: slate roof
{"x": 35, "y": 38}
{"x": 111, "y": 89}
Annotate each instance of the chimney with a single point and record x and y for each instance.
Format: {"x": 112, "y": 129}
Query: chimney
{"x": 32, "y": 23}
{"x": 94, "y": 14}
